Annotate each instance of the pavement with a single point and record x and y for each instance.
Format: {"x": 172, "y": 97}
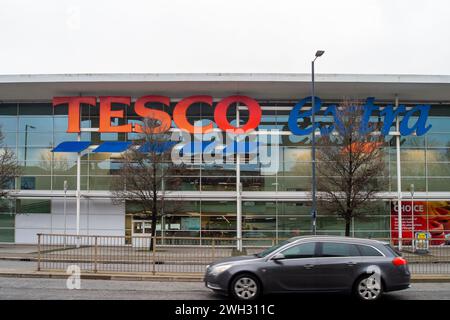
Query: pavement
{"x": 45, "y": 289}
{"x": 27, "y": 269}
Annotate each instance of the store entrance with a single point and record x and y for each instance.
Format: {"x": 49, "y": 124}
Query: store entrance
{"x": 139, "y": 230}
{"x": 137, "y": 225}
{"x": 141, "y": 227}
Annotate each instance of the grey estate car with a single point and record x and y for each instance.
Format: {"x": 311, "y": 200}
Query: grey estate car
{"x": 364, "y": 267}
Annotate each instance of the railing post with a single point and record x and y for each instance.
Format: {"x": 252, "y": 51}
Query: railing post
{"x": 154, "y": 253}
{"x": 213, "y": 244}
{"x": 95, "y": 253}
{"x": 39, "y": 252}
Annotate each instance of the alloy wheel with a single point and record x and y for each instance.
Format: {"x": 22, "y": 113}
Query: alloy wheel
{"x": 245, "y": 288}
{"x": 369, "y": 288}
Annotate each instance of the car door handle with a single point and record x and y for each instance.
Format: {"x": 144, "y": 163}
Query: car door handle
{"x": 309, "y": 266}
{"x": 351, "y": 263}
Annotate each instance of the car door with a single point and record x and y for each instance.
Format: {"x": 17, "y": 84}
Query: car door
{"x": 336, "y": 265}
{"x": 295, "y": 272}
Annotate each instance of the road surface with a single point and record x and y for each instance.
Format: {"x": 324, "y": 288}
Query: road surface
{"x": 39, "y": 288}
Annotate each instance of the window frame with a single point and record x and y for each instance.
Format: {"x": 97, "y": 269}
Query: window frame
{"x": 314, "y": 255}
{"x": 319, "y": 249}
{"x": 381, "y": 254}
{"x": 293, "y": 244}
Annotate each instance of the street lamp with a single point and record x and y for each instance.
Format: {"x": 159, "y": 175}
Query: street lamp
{"x": 26, "y": 141}
{"x": 65, "y": 215}
{"x": 319, "y": 53}
{"x": 411, "y": 189}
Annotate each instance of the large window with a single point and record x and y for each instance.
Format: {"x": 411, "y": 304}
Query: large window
{"x": 31, "y": 130}
{"x": 27, "y": 206}
{"x": 7, "y": 220}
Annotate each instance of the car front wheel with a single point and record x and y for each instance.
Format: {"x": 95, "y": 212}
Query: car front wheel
{"x": 245, "y": 287}
{"x": 368, "y": 288}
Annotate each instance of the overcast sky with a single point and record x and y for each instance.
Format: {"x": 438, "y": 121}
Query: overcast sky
{"x": 93, "y": 36}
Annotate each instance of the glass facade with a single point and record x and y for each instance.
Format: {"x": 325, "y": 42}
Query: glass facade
{"x": 31, "y": 130}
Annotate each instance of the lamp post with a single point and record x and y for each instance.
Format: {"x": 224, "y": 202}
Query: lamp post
{"x": 65, "y": 211}
{"x": 239, "y": 247}
{"x": 399, "y": 179}
{"x": 78, "y": 193}
{"x": 411, "y": 189}
{"x": 26, "y": 141}
{"x": 319, "y": 53}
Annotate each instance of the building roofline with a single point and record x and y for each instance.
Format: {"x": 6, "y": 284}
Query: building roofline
{"x": 222, "y": 77}
{"x": 273, "y": 86}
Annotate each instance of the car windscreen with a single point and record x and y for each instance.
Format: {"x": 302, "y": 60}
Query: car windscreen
{"x": 272, "y": 249}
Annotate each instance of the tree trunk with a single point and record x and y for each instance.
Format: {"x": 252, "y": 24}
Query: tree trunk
{"x": 153, "y": 231}
{"x": 154, "y": 207}
{"x": 347, "y": 227}
{"x": 154, "y": 216}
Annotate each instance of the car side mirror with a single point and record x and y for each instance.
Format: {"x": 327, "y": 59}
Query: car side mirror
{"x": 278, "y": 256}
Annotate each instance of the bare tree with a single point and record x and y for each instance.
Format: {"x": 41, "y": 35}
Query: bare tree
{"x": 9, "y": 169}
{"x": 147, "y": 172}
{"x": 57, "y": 160}
{"x": 350, "y": 165}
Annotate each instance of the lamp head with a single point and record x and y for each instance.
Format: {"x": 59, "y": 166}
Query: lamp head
{"x": 319, "y": 53}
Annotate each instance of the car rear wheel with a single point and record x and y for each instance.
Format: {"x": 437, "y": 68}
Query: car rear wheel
{"x": 368, "y": 288}
{"x": 245, "y": 287}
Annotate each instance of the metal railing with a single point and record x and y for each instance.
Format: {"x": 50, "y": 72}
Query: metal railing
{"x": 435, "y": 260}
{"x": 179, "y": 254}
{"x": 134, "y": 254}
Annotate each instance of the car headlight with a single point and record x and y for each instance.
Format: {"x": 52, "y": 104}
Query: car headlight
{"x": 220, "y": 268}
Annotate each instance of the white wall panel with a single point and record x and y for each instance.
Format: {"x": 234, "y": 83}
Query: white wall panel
{"x": 98, "y": 217}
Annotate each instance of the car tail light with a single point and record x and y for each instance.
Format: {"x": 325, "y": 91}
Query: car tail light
{"x": 399, "y": 261}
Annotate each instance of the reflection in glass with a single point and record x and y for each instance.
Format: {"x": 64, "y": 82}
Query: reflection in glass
{"x": 63, "y": 136}
{"x": 438, "y": 140}
{"x": 35, "y": 182}
{"x": 39, "y": 124}
{"x": 32, "y": 139}
{"x": 9, "y": 139}
{"x": 259, "y": 183}
{"x": 439, "y": 169}
{"x": 441, "y": 154}
{"x": 439, "y": 184}
{"x": 250, "y": 208}
{"x": 33, "y": 154}
{"x": 218, "y": 183}
{"x": 8, "y": 123}
{"x": 294, "y": 183}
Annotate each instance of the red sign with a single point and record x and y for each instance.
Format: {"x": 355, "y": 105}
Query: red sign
{"x": 164, "y": 119}
{"x": 429, "y": 216}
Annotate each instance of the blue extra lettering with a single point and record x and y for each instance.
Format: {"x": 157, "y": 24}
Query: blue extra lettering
{"x": 389, "y": 113}
{"x": 296, "y": 114}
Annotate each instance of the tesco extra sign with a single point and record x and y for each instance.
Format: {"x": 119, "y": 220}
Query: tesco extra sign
{"x": 414, "y": 120}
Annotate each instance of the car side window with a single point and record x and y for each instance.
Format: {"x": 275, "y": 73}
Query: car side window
{"x": 331, "y": 249}
{"x": 367, "y": 251}
{"x": 305, "y": 250}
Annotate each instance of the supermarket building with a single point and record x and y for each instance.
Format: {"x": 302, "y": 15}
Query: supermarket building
{"x": 274, "y": 202}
